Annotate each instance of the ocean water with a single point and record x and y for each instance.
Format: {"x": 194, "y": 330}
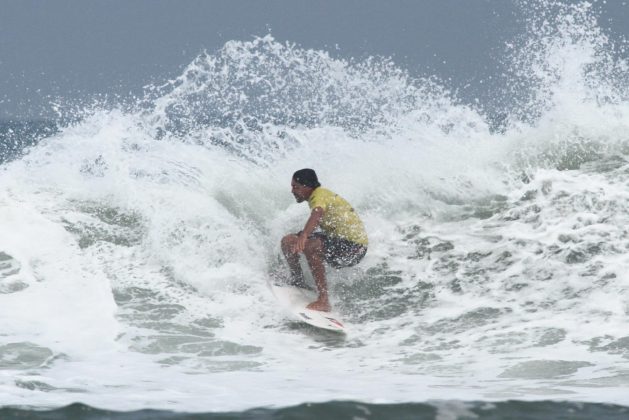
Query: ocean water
{"x": 136, "y": 240}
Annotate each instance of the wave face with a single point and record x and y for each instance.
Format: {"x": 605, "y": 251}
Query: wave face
{"x": 137, "y": 240}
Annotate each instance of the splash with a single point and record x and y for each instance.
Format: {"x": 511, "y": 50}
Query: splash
{"x": 570, "y": 85}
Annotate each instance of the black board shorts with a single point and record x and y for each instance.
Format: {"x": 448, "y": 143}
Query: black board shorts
{"x": 338, "y": 252}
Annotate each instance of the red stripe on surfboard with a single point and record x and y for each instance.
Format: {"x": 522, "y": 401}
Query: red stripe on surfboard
{"x": 334, "y": 321}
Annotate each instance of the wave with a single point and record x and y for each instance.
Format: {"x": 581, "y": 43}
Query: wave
{"x": 153, "y": 224}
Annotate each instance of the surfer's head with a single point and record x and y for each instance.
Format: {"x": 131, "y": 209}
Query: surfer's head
{"x": 303, "y": 183}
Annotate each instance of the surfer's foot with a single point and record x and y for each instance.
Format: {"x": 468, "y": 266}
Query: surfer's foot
{"x": 320, "y": 305}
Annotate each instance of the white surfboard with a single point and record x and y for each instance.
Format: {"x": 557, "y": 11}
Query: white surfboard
{"x": 295, "y": 299}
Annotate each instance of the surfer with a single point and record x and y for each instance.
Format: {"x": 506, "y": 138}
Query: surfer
{"x": 333, "y": 233}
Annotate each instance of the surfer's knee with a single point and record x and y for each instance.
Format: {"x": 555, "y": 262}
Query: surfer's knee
{"x": 288, "y": 241}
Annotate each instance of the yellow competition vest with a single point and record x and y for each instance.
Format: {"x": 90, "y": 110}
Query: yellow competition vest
{"x": 339, "y": 218}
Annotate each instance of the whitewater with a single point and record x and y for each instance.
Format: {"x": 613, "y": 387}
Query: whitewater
{"x": 136, "y": 240}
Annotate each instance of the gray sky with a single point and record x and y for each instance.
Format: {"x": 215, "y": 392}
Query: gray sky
{"x": 75, "y": 48}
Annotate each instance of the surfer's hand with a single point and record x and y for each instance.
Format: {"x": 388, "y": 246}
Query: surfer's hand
{"x": 300, "y": 245}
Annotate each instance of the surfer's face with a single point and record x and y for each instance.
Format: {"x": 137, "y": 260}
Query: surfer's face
{"x": 300, "y": 192}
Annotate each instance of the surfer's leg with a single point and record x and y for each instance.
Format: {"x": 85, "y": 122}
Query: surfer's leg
{"x": 314, "y": 255}
{"x": 292, "y": 258}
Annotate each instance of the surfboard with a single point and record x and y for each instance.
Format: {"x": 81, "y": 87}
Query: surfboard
{"x": 295, "y": 299}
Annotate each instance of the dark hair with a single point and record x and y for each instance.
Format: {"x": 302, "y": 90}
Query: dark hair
{"x": 307, "y": 177}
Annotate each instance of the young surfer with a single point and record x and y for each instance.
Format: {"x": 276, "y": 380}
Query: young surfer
{"x": 340, "y": 240}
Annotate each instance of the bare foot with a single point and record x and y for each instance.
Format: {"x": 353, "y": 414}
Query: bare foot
{"x": 320, "y": 305}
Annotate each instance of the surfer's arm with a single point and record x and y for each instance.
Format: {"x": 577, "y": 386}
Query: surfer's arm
{"x": 311, "y": 225}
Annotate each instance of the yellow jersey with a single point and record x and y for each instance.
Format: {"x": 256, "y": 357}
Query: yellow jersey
{"x": 339, "y": 218}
